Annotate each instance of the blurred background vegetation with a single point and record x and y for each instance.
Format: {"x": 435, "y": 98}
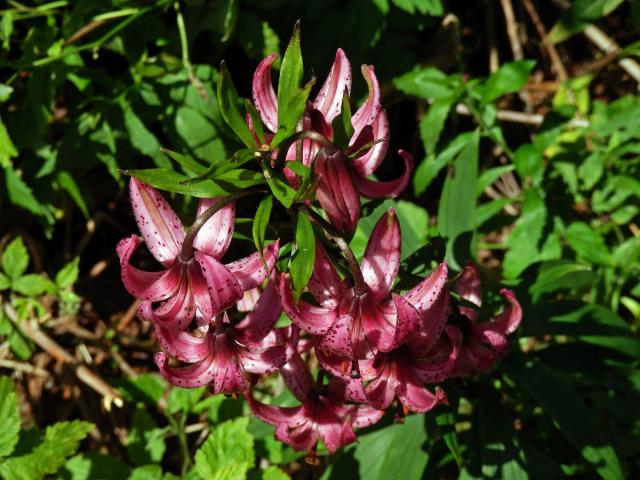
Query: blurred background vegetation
{"x": 524, "y": 119}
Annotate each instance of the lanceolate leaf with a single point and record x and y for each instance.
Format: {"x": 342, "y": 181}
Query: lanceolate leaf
{"x": 283, "y": 192}
{"x": 185, "y": 161}
{"x": 229, "y": 103}
{"x": 304, "y": 256}
{"x": 261, "y": 221}
{"x": 256, "y": 121}
{"x": 290, "y": 112}
{"x": 290, "y": 74}
{"x": 10, "y": 417}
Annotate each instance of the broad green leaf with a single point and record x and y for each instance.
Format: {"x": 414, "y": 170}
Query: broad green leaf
{"x": 588, "y": 244}
{"x": 15, "y": 259}
{"x": 146, "y": 443}
{"x": 488, "y": 210}
{"x": 184, "y": 399}
{"x": 509, "y": 78}
{"x": 199, "y": 135}
{"x": 141, "y": 138}
{"x": 33, "y": 284}
{"x": 147, "y": 472}
{"x": 274, "y": 473}
{"x": 561, "y": 274}
{"x": 147, "y": 388}
{"x": 4, "y": 281}
{"x": 425, "y": 7}
{"x": 261, "y": 221}
{"x": 185, "y": 161}
{"x": 68, "y": 275}
{"x": 432, "y": 124}
{"x": 228, "y": 449}
{"x": 10, "y": 415}
{"x": 529, "y": 163}
{"x": 574, "y": 419}
{"x": 429, "y": 83}
{"x": 229, "y": 103}
{"x": 173, "y": 181}
{"x": 303, "y": 258}
{"x": 393, "y": 452}
{"x": 61, "y": 440}
{"x": 90, "y": 466}
{"x": 457, "y": 204}
{"x": 579, "y": 14}
{"x": 616, "y": 191}
{"x": 447, "y": 423}
{"x": 524, "y": 240}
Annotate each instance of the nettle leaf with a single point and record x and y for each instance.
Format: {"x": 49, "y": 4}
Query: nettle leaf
{"x": 15, "y": 258}
{"x": 579, "y": 14}
{"x": 20, "y": 194}
{"x": 227, "y": 453}
{"x": 303, "y": 258}
{"x": 184, "y": 399}
{"x": 146, "y": 443}
{"x": 509, "y": 78}
{"x": 33, "y": 284}
{"x": 68, "y": 275}
{"x": 576, "y": 422}
{"x": 147, "y": 472}
{"x": 457, "y": 204}
{"x": 429, "y": 83}
{"x": 229, "y": 103}
{"x": 88, "y": 466}
{"x": 261, "y": 221}
{"x": 9, "y": 433}
{"x": 61, "y": 440}
{"x": 588, "y": 244}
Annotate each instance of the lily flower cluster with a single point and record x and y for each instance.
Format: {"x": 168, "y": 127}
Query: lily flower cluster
{"x": 369, "y": 344}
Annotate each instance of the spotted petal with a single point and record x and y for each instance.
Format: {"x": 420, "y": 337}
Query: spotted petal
{"x": 264, "y": 96}
{"x": 250, "y": 271}
{"x": 315, "y": 320}
{"x": 224, "y": 289}
{"x": 381, "y": 259}
{"x": 215, "y": 235}
{"x": 329, "y": 98}
{"x": 392, "y": 188}
{"x": 325, "y": 284}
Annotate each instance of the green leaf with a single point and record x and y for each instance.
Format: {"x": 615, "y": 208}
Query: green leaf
{"x": 429, "y": 83}
{"x": 147, "y": 472}
{"x": 274, "y": 473}
{"x": 68, "y": 275}
{"x": 425, "y": 7}
{"x": 290, "y": 112}
{"x": 141, "y": 138}
{"x": 447, "y": 422}
{"x": 199, "y": 135}
{"x": 185, "y": 161}
{"x": 290, "y": 74}
{"x": 393, "y": 452}
{"x": 173, "y": 181}
{"x": 7, "y": 149}
{"x": 509, "y": 78}
{"x": 562, "y": 274}
{"x": 281, "y": 190}
{"x": 256, "y": 121}
{"x": 4, "y": 282}
{"x": 576, "y": 422}
{"x": 489, "y": 176}
{"x": 432, "y": 124}
{"x": 68, "y": 184}
{"x": 91, "y": 466}
{"x": 147, "y": 388}
{"x": 61, "y": 440}
{"x": 229, "y": 103}
{"x": 33, "y": 284}
{"x": 303, "y": 258}
{"x": 579, "y": 14}
{"x": 20, "y": 194}
{"x": 146, "y": 443}
{"x": 457, "y": 204}
{"x": 15, "y": 259}
{"x": 10, "y": 415}
{"x": 19, "y": 345}
{"x": 588, "y": 244}
{"x": 342, "y": 125}
{"x": 529, "y": 163}
{"x": 227, "y": 450}
{"x": 184, "y": 399}
{"x": 261, "y": 221}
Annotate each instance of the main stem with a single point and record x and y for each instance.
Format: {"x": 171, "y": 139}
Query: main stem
{"x": 187, "y": 245}
{"x": 360, "y": 285}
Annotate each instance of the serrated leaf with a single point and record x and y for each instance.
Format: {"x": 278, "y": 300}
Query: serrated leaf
{"x": 60, "y": 441}
{"x": 229, "y": 103}
{"x": 147, "y": 472}
{"x": 227, "y": 450}
{"x": 33, "y": 284}
{"x": 509, "y": 78}
{"x": 90, "y": 466}
{"x": 261, "y": 221}
{"x": 457, "y": 204}
{"x": 10, "y": 415}
{"x": 68, "y": 275}
{"x": 588, "y": 244}
{"x": 145, "y": 443}
{"x": 4, "y": 281}
{"x": 302, "y": 262}
{"x": 15, "y": 258}
{"x": 274, "y": 473}
{"x": 184, "y": 399}
{"x": 20, "y": 194}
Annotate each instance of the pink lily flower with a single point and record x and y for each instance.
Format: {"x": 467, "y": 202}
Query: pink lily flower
{"x": 484, "y": 343}
{"x": 228, "y": 354}
{"x": 339, "y": 181}
{"x": 356, "y": 321}
{"x": 323, "y": 412}
{"x": 199, "y": 286}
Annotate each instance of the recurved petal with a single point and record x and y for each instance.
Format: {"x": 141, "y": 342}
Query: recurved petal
{"x": 215, "y": 235}
{"x": 158, "y": 223}
{"x": 184, "y": 346}
{"x": 364, "y": 416}
{"x": 192, "y": 376}
{"x": 429, "y": 290}
{"x": 381, "y": 259}
{"x": 380, "y": 322}
{"x": 415, "y": 396}
{"x": 367, "y": 113}
{"x": 392, "y": 188}
{"x": 264, "y": 96}
{"x": 315, "y": 320}
{"x": 229, "y": 377}
{"x": 250, "y": 271}
{"x": 342, "y": 389}
{"x": 432, "y": 323}
{"x": 336, "y": 190}
{"x": 338, "y": 338}
{"x": 300, "y": 438}
{"x": 200, "y": 292}
{"x": 366, "y": 164}
{"x": 507, "y": 322}
{"x": 296, "y": 376}
{"x": 224, "y": 289}
{"x": 334, "y": 432}
{"x": 329, "y": 99}
{"x": 408, "y": 322}
{"x": 335, "y": 364}
{"x": 469, "y": 287}
{"x": 258, "y": 323}
{"x": 274, "y": 415}
{"x": 325, "y": 284}
{"x": 267, "y": 356}
{"x": 439, "y": 364}
{"x": 152, "y": 286}
{"x": 382, "y": 390}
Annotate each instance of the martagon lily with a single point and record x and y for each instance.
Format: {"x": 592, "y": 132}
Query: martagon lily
{"x": 323, "y": 411}
{"x": 195, "y": 283}
{"x": 483, "y": 343}
{"x": 356, "y": 320}
{"x": 340, "y": 181}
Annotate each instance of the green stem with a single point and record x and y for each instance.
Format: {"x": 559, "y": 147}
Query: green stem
{"x": 477, "y": 115}
{"x": 184, "y": 44}
{"x": 283, "y": 148}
